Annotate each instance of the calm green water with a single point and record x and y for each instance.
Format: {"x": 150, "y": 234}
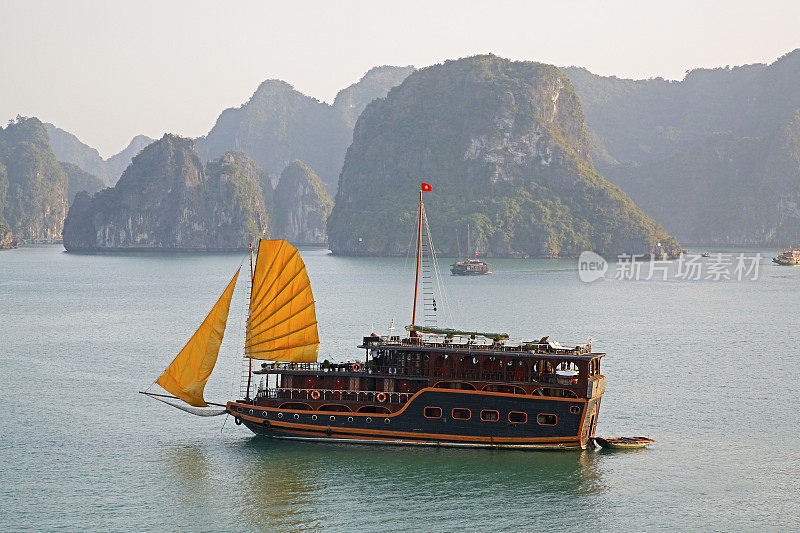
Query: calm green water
{"x": 708, "y": 369}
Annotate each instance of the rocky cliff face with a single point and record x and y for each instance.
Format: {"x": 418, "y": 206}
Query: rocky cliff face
{"x": 732, "y": 190}
{"x": 3, "y": 190}
{"x": 71, "y": 149}
{"x": 279, "y": 124}
{"x": 710, "y": 157}
{"x": 168, "y": 200}
{"x": 276, "y": 125}
{"x": 504, "y": 146}
{"x": 301, "y": 205}
{"x": 6, "y": 237}
{"x": 80, "y": 180}
{"x": 36, "y": 186}
{"x": 376, "y": 83}
{"x": 117, "y": 163}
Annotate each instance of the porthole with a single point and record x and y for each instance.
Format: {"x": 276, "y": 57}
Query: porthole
{"x": 369, "y": 420}
{"x": 280, "y": 415}
{"x": 546, "y": 419}
{"x": 432, "y": 412}
{"x": 349, "y": 418}
{"x": 313, "y": 417}
{"x": 517, "y": 417}
{"x": 490, "y": 415}
{"x": 574, "y": 409}
{"x": 332, "y": 418}
{"x": 250, "y": 411}
{"x": 296, "y": 416}
{"x": 459, "y": 413}
{"x": 264, "y": 414}
{"x": 385, "y": 420}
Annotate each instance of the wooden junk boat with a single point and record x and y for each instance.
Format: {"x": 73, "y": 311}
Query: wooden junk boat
{"x": 432, "y": 386}
{"x": 472, "y": 266}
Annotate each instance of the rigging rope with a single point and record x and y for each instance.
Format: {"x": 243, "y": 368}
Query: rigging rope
{"x": 437, "y": 271}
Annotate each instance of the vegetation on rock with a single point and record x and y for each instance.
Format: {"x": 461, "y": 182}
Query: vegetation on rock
{"x": 714, "y": 157}
{"x": 80, "y": 180}
{"x": 279, "y": 124}
{"x": 504, "y": 146}
{"x": 71, "y": 149}
{"x": 302, "y": 205}
{"x": 168, "y": 200}
{"x": 117, "y": 163}
{"x": 33, "y": 186}
{"x": 6, "y": 236}
{"x": 351, "y": 101}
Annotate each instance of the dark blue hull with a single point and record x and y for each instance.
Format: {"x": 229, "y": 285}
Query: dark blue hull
{"x": 465, "y": 418}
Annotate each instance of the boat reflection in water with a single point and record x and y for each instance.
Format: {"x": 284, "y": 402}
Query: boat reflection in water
{"x": 318, "y": 484}
{"x": 270, "y": 484}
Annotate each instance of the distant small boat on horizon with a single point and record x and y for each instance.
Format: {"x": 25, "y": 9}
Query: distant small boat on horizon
{"x": 471, "y": 266}
{"x": 705, "y": 254}
{"x": 788, "y": 257}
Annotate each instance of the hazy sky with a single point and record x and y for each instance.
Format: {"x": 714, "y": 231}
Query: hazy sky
{"x": 108, "y": 70}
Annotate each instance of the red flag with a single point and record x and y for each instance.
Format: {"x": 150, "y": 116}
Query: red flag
{"x": 425, "y": 187}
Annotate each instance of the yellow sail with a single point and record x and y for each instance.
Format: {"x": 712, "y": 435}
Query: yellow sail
{"x": 282, "y": 325}
{"x": 188, "y": 373}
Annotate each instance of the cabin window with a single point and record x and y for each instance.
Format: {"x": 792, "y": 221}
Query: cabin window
{"x": 337, "y": 407}
{"x": 461, "y": 414}
{"x": 374, "y": 409}
{"x": 297, "y": 406}
{"x": 457, "y": 385}
{"x": 574, "y": 409}
{"x": 490, "y": 415}
{"x": 545, "y": 419}
{"x": 507, "y": 389}
{"x": 517, "y": 417}
{"x": 433, "y": 412}
{"x": 554, "y": 392}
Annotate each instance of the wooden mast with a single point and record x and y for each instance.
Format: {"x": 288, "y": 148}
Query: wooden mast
{"x": 250, "y": 365}
{"x": 419, "y": 251}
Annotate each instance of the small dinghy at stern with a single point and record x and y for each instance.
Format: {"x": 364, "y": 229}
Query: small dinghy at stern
{"x": 624, "y": 443}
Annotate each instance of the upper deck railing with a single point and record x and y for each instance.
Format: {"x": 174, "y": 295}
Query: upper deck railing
{"x": 469, "y": 343}
{"x": 335, "y": 395}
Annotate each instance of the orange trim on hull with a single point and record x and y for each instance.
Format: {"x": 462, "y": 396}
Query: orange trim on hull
{"x": 426, "y": 389}
{"x": 385, "y": 433}
{"x": 492, "y": 442}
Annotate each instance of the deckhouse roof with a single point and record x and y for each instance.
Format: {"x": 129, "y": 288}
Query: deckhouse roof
{"x": 561, "y": 355}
